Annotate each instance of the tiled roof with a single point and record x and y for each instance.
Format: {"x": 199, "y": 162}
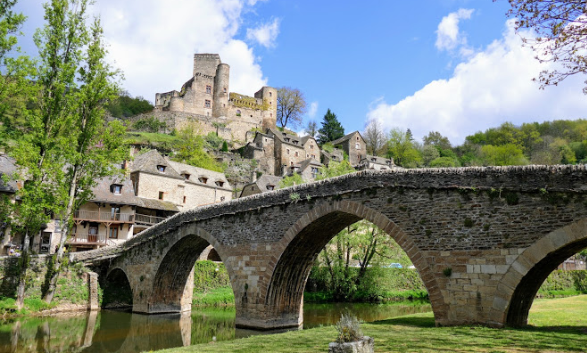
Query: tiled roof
{"x": 196, "y": 173}
{"x": 8, "y": 167}
{"x": 148, "y": 162}
{"x": 157, "y": 204}
{"x": 103, "y": 191}
{"x": 346, "y": 137}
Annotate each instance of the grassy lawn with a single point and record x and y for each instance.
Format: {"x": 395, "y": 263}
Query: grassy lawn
{"x": 556, "y": 325}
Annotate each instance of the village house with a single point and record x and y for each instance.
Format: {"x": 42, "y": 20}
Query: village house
{"x": 354, "y": 146}
{"x": 263, "y": 184}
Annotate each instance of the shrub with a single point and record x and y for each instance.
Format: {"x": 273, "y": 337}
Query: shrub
{"x": 349, "y": 328}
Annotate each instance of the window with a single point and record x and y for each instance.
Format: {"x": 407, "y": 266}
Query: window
{"x": 186, "y": 176}
{"x": 307, "y": 155}
{"x": 291, "y": 163}
{"x": 220, "y": 183}
{"x": 286, "y": 139}
{"x": 208, "y": 89}
{"x": 314, "y": 156}
{"x": 93, "y": 229}
{"x": 113, "y": 234}
{"x": 161, "y": 168}
{"x": 270, "y": 94}
{"x": 357, "y": 138}
{"x": 270, "y": 187}
{"x": 203, "y": 180}
{"x": 115, "y": 213}
{"x": 314, "y": 172}
{"x": 297, "y": 154}
{"x": 116, "y": 189}
{"x": 287, "y": 150}
{"x": 358, "y": 146}
{"x": 222, "y": 198}
{"x": 311, "y": 147}
{"x": 207, "y": 103}
{"x": 184, "y": 199}
{"x": 224, "y": 89}
{"x": 161, "y": 194}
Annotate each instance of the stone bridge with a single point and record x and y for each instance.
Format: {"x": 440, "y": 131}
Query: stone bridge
{"x": 482, "y": 239}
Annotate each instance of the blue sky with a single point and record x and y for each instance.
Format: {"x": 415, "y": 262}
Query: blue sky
{"x": 453, "y": 66}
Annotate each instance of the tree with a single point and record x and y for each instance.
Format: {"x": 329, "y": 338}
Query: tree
{"x": 434, "y": 138}
{"x": 403, "y": 149}
{"x": 191, "y": 149}
{"x": 311, "y": 128}
{"x": 335, "y": 169}
{"x": 508, "y": 154}
{"x": 291, "y": 106}
{"x": 294, "y": 179}
{"x": 331, "y": 128}
{"x": 561, "y": 31}
{"x": 374, "y": 136}
{"x": 429, "y": 153}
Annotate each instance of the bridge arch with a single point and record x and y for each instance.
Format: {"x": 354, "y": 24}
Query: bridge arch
{"x": 117, "y": 289}
{"x": 172, "y": 290}
{"x": 518, "y": 287}
{"x": 308, "y": 236}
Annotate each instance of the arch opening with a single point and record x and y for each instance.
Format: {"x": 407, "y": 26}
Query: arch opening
{"x": 213, "y": 255}
{"x": 171, "y": 279}
{"x": 526, "y": 290}
{"x": 117, "y": 291}
{"x": 286, "y": 287}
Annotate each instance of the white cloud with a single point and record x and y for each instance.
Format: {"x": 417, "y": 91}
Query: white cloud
{"x": 266, "y": 34}
{"x": 492, "y": 86}
{"x": 153, "y": 42}
{"x": 313, "y": 110}
{"x": 448, "y": 35}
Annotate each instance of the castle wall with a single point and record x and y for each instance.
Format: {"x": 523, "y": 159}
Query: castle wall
{"x": 206, "y": 64}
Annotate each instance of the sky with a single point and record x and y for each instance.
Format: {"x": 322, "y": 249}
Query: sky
{"x": 452, "y": 66}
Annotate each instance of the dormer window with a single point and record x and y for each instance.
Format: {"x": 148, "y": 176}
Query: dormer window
{"x": 116, "y": 189}
{"x": 220, "y": 183}
{"x": 295, "y": 141}
{"x": 186, "y": 176}
{"x": 203, "y": 180}
{"x": 286, "y": 139}
{"x": 270, "y": 187}
{"x": 161, "y": 168}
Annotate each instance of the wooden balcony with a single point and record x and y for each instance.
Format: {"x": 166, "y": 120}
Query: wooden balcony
{"x": 109, "y": 217}
{"x": 88, "y": 239}
{"x": 147, "y": 221}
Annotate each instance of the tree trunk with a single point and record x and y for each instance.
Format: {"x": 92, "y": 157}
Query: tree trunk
{"x": 48, "y": 297}
{"x": 24, "y": 262}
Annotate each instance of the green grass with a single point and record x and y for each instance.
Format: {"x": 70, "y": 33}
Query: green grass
{"x": 214, "y": 297}
{"x": 150, "y": 138}
{"x": 556, "y": 325}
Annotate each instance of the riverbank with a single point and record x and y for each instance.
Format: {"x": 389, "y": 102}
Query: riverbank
{"x": 557, "y": 325}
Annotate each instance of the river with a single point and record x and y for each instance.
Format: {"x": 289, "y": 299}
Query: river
{"x": 116, "y": 331}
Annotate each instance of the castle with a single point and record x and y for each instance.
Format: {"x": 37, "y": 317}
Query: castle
{"x": 207, "y": 100}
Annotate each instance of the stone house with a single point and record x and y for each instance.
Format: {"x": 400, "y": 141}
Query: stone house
{"x": 265, "y": 183}
{"x": 262, "y": 149}
{"x": 335, "y": 155}
{"x": 376, "y": 163}
{"x": 353, "y": 145}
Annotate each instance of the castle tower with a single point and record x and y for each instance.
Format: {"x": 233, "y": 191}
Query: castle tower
{"x": 221, "y": 91}
{"x": 206, "y": 64}
{"x": 269, "y": 95}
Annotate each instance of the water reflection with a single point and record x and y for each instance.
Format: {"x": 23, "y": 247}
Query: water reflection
{"x": 115, "y": 331}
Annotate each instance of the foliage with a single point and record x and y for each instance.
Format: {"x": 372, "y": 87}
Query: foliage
{"x": 150, "y": 124}
{"x": 444, "y": 162}
{"x": 508, "y": 154}
{"x": 190, "y": 150}
{"x": 335, "y": 169}
{"x": 294, "y": 179}
{"x": 375, "y": 137}
{"x": 220, "y": 296}
{"x": 403, "y": 149}
{"x": 434, "y": 138}
{"x": 348, "y": 328}
{"x": 124, "y": 105}
{"x": 209, "y": 275}
{"x": 331, "y": 128}
{"x": 560, "y": 27}
{"x": 562, "y": 281}
{"x": 291, "y": 106}
{"x": 429, "y": 153}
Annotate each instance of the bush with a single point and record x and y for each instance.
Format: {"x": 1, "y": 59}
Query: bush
{"x": 349, "y": 328}
{"x": 209, "y": 275}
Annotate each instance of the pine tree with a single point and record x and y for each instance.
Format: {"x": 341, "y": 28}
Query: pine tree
{"x": 331, "y": 129}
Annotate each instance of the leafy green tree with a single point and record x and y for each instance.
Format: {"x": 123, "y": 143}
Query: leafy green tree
{"x": 508, "y": 154}
{"x": 435, "y": 138}
{"x": 331, "y": 128}
{"x": 444, "y": 162}
{"x": 150, "y": 124}
{"x": 335, "y": 169}
{"x": 402, "y": 149}
{"x": 561, "y": 28}
{"x": 191, "y": 150}
{"x": 291, "y": 106}
{"x": 124, "y": 105}
{"x": 294, "y": 179}
{"x": 429, "y": 153}
{"x": 375, "y": 137}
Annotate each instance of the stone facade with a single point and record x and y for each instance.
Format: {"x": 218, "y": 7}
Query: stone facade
{"x": 206, "y": 98}
{"x": 482, "y": 239}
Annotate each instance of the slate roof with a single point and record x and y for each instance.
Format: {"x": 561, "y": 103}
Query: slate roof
{"x": 335, "y": 153}
{"x": 262, "y": 183}
{"x": 103, "y": 191}
{"x": 196, "y": 172}
{"x": 345, "y": 137}
{"x": 282, "y": 136}
{"x": 8, "y": 167}
{"x": 157, "y": 204}
{"x": 306, "y": 138}
{"x": 309, "y": 162}
{"x": 148, "y": 162}
{"x": 378, "y": 160}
